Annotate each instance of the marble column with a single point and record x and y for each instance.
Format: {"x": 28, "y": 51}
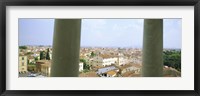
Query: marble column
{"x": 152, "y": 57}
{"x": 66, "y": 47}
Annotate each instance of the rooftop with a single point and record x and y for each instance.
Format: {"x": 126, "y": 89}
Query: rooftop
{"x": 112, "y": 72}
{"x": 106, "y": 69}
{"x": 130, "y": 65}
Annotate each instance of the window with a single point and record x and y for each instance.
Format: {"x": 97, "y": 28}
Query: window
{"x": 22, "y": 63}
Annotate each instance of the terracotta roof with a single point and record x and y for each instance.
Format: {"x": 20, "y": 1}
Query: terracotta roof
{"x": 171, "y": 72}
{"x": 88, "y": 74}
{"x": 43, "y": 61}
{"x": 105, "y": 56}
{"x": 30, "y": 57}
{"x": 137, "y": 65}
{"x": 46, "y": 64}
{"x": 126, "y": 66}
{"x": 130, "y": 65}
{"x": 135, "y": 75}
{"x": 131, "y": 74}
{"x": 21, "y": 54}
{"x": 111, "y": 72}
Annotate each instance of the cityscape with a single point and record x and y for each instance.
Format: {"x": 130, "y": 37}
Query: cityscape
{"x": 110, "y": 59}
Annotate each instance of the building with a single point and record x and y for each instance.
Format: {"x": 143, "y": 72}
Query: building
{"x": 43, "y": 67}
{"x": 31, "y": 60}
{"x": 104, "y": 60}
{"x": 122, "y": 61}
{"x": 36, "y": 54}
{"x": 137, "y": 60}
{"x": 22, "y": 64}
{"x": 134, "y": 68}
{"x": 80, "y": 66}
{"x": 109, "y": 71}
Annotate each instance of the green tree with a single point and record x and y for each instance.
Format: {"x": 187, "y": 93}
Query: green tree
{"x": 42, "y": 55}
{"x": 92, "y": 54}
{"x": 172, "y": 58}
{"x": 36, "y": 58}
{"x": 85, "y": 65}
{"x": 22, "y": 47}
{"x": 48, "y": 55}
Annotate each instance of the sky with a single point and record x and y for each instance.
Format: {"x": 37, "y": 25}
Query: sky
{"x": 100, "y": 32}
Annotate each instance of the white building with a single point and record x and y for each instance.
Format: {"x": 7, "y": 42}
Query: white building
{"x": 103, "y": 60}
{"x": 80, "y": 66}
{"x": 110, "y": 71}
{"x": 122, "y": 61}
{"x": 137, "y": 60}
{"x": 28, "y": 50}
{"x": 36, "y": 54}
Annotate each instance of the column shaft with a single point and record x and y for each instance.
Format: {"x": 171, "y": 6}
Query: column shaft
{"x": 152, "y": 48}
{"x": 66, "y": 47}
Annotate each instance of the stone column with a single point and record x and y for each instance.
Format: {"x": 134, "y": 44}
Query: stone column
{"x": 66, "y": 47}
{"x": 152, "y": 63}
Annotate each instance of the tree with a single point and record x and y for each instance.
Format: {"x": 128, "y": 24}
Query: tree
{"x": 92, "y": 54}
{"x": 42, "y": 55}
{"x": 172, "y": 58}
{"x": 22, "y": 47}
{"x": 48, "y": 55}
{"x": 85, "y": 65}
{"x": 36, "y": 58}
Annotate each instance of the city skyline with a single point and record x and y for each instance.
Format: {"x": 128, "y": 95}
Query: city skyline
{"x": 100, "y": 32}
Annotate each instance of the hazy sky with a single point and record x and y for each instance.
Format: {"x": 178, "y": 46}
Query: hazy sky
{"x": 100, "y": 32}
